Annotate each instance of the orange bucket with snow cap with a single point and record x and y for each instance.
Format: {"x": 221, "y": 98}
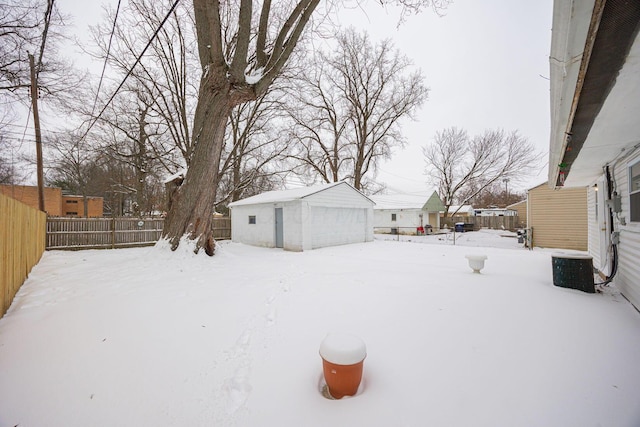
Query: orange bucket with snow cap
{"x": 342, "y": 363}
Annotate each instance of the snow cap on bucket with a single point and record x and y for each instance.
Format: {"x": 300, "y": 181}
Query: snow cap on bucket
{"x": 343, "y": 349}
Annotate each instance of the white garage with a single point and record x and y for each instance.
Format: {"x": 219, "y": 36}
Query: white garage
{"x": 303, "y": 218}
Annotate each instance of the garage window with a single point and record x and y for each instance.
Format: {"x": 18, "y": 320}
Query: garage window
{"x": 252, "y": 219}
{"x": 634, "y": 191}
{"x": 393, "y": 217}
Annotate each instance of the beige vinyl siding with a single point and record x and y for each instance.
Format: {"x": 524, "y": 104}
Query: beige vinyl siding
{"x": 558, "y": 217}
{"x": 521, "y": 208}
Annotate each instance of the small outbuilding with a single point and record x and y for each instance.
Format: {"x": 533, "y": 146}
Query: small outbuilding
{"x": 401, "y": 213}
{"x": 558, "y": 217}
{"x": 303, "y": 218}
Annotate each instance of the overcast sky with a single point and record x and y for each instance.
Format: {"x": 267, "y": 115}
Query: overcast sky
{"x": 485, "y": 62}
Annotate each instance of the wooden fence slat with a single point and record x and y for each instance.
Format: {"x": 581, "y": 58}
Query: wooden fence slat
{"x": 22, "y": 242}
{"x": 493, "y": 222}
{"x": 102, "y": 233}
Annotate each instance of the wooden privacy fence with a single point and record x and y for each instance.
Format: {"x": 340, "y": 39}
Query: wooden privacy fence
{"x": 22, "y": 242}
{"x": 109, "y": 233}
{"x": 493, "y": 222}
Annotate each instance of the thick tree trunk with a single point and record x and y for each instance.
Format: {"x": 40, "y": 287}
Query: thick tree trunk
{"x": 222, "y": 87}
{"x": 192, "y": 206}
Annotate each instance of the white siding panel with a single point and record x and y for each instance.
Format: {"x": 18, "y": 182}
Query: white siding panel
{"x": 262, "y": 233}
{"x": 628, "y": 276}
{"x": 407, "y": 220}
{"x": 339, "y": 196}
{"x": 293, "y": 214}
{"x": 337, "y": 226}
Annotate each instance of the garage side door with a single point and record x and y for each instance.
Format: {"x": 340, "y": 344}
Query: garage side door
{"x": 337, "y": 226}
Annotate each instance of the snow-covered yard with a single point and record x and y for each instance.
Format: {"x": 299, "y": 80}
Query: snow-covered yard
{"x": 146, "y": 337}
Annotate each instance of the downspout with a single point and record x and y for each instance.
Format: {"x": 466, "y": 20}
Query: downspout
{"x": 614, "y": 235}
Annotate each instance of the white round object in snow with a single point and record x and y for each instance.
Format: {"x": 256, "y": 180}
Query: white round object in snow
{"x": 476, "y": 262}
{"x": 343, "y": 349}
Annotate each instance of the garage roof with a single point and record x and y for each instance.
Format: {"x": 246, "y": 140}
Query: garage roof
{"x": 290, "y": 194}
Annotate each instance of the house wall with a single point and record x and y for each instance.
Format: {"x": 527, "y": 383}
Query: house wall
{"x": 262, "y": 233}
{"x": 339, "y": 196}
{"x": 628, "y": 277}
{"x": 337, "y": 216}
{"x": 495, "y": 212}
{"x": 558, "y": 217}
{"x": 434, "y": 220}
{"x": 407, "y": 220}
{"x": 74, "y": 206}
{"x": 28, "y": 195}
{"x": 331, "y": 217}
{"x": 521, "y": 209}
{"x": 331, "y": 226}
{"x": 295, "y": 219}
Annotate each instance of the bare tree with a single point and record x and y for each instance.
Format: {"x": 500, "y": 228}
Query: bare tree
{"x": 496, "y": 194}
{"x": 349, "y": 107}
{"x": 458, "y": 164}
{"x": 320, "y": 118}
{"x": 33, "y": 27}
{"x": 135, "y": 135}
{"x": 7, "y": 170}
{"x": 70, "y": 159}
{"x": 254, "y": 150}
{"x": 9, "y": 144}
{"x": 169, "y": 67}
{"x": 241, "y": 52}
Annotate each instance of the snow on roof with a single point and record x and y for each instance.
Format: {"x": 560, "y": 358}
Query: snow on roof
{"x": 517, "y": 203}
{"x": 463, "y": 208}
{"x": 180, "y": 174}
{"x": 399, "y": 201}
{"x": 286, "y": 195}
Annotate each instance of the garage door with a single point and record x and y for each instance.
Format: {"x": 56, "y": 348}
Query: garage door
{"x": 337, "y": 226}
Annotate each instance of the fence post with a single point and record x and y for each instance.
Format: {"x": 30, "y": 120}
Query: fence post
{"x": 113, "y": 232}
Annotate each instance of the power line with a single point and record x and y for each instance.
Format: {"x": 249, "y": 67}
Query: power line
{"x": 106, "y": 58}
{"x": 155, "y": 34}
{"x": 400, "y": 176}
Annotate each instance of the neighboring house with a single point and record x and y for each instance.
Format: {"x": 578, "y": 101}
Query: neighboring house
{"x": 494, "y": 212}
{"x": 303, "y": 218}
{"x": 406, "y": 213}
{"x": 74, "y": 206}
{"x": 595, "y": 127}
{"x": 55, "y": 203}
{"x": 457, "y": 214}
{"x": 460, "y": 211}
{"x": 558, "y": 218}
{"x": 521, "y": 209}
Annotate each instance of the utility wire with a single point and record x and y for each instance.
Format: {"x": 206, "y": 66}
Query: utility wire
{"x": 47, "y": 21}
{"x": 155, "y": 34}
{"x": 24, "y": 132}
{"x": 106, "y": 58}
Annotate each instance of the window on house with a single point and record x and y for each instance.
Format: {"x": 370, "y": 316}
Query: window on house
{"x": 72, "y": 201}
{"x": 634, "y": 192}
{"x": 252, "y": 219}
{"x": 72, "y": 213}
{"x": 393, "y": 217}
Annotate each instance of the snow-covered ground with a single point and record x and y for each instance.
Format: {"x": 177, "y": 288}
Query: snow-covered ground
{"x": 146, "y": 337}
